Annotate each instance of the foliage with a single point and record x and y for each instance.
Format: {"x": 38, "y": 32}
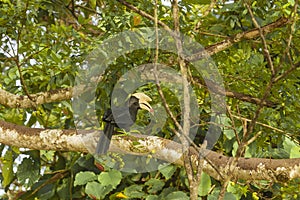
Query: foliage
{"x": 44, "y": 42}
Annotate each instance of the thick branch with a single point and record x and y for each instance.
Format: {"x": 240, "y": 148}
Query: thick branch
{"x": 70, "y": 140}
{"x": 20, "y": 101}
{"x": 10, "y": 100}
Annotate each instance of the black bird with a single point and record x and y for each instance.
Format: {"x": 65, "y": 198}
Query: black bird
{"x": 121, "y": 117}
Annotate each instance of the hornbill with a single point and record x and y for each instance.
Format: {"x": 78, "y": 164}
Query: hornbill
{"x": 122, "y": 117}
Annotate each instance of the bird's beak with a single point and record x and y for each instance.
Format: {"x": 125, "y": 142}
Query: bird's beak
{"x": 144, "y": 101}
{"x": 146, "y": 106}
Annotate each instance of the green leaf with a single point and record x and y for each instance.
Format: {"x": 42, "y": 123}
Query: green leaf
{"x": 232, "y": 23}
{"x": 134, "y": 191}
{"x": 216, "y": 192}
{"x": 47, "y": 192}
{"x": 237, "y": 190}
{"x": 93, "y": 3}
{"x": 197, "y": 1}
{"x": 7, "y": 168}
{"x": 154, "y": 185}
{"x": 112, "y": 178}
{"x": 28, "y": 172}
{"x": 288, "y": 144}
{"x": 81, "y": 19}
{"x": 55, "y": 57}
{"x": 96, "y": 190}
{"x": 178, "y": 195}
{"x": 152, "y": 197}
{"x": 64, "y": 188}
{"x": 83, "y": 178}
{"x": 292, "y": 2}
{"x": 228, "y": 131}
{"x": 295, "y": 152}
{"x": 12, "y": 74}
{"x": 167, "y": 171}
{"x": 205, "y": 185}
{"x": 32, "y": 120}
{"x": 6, "y": 80}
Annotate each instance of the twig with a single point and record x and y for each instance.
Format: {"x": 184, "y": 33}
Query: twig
{"x": 262, "y": 124}
{"x": 205, "y": 13}
{"x": 155, "y": 73}
{"x": 233, "y": 125}
{"x": 286, "y": 52}
{"x": 287, "y": 72}
{"x": 17, "y": 60}
{"x": 252, "y": 139}
{"x": 232, "y": 94}
{"x": 144, "y": 14}
{"x": 265, "y": 49}
{"x": 56, "y": 177}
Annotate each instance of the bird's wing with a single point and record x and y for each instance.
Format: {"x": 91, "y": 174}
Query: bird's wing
{"x": 122, "y": 118}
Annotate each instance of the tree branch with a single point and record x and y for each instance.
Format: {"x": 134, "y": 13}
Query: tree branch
{"x": 20, "y": 101}
{"x": 144, "y": 14}
{"x": 247, "y": 35}
{"x": 70, "y": 140}
{"x": 263, "y": 39}
{"x": 234, "y": 94}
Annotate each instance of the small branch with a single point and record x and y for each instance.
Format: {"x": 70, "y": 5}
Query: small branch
{"x": 225, "y": 44}
{"x": 17, "y": 60}
{"x": 287, "y": 72}
{"x": 213, "y": 34}
{"x": 292, "y": 28}
{"x": 157, "y": 81}
{"x": 144, "y": 14}
{"x": 24, "y": 86}
{"x": 261, "y": 124}
{"x": 252, "y": 139}
{"x": 263, "y": 39}
{"x": 205, "y": 13}
{"x": 233, "y": 94}
{"x": 233, "y": 125}
{"x": 210, "y": 7}
{"x": 53, "y": 179}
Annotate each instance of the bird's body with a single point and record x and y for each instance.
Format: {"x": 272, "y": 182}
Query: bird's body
{"x": 122, "y": 117}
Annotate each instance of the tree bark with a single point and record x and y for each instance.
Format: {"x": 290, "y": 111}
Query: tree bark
{"x": 218, "y": 166}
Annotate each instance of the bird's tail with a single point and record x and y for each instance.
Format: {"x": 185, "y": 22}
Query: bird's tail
{"x": 104, "y": 140}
